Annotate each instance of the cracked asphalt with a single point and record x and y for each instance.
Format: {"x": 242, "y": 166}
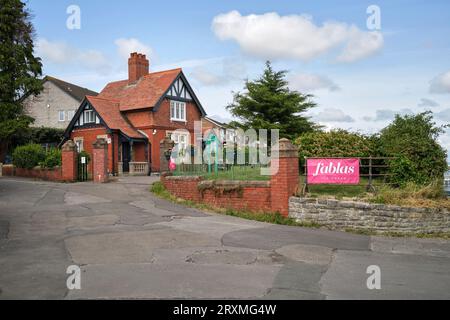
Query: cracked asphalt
{"x": 132, "y": 245}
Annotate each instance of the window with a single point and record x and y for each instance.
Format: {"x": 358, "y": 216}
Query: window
{"x": 70, "y": 114}
{"x": 89, "y": 116}
{"x": 79, "y": 143}
{"x": 180, "y": 139}
{"x": 61, "y": 116}
{"x": 177, "y": 111}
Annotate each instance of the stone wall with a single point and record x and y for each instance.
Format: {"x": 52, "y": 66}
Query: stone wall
{"x": 240, "y": 195}
{"x": 366, "y": 216}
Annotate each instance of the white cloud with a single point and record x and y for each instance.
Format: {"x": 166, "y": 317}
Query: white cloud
{"x": 361, "y": 45}
{"x": 230, "y": 70}
{"x": 61, "y": 53}
{"x": 306, "y": 83}
{"x": 443, "y": 115}
{"x": 441, "y": 83}
{"x": 332, "y": 115}
{"x": 387, "y": 114}
{"x": 271, "y": 36}
{"x": 427, "y": 103}
{"x": 125, "y": 46}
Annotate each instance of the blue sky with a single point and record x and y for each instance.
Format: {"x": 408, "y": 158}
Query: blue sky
{"x": 359, "y": 77}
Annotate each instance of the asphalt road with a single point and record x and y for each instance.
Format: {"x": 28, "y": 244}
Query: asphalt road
{"x": 130, "y": 244}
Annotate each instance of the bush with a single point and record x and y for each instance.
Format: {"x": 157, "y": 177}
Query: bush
{"x": 413, "y": 140}
{"x": 53, "y": 158}
{"x": 335, "y": 143}
{"x": 28, "y": 156}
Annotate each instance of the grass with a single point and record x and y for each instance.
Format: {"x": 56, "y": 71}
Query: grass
{"x": 231, "y": 173}
{"x": 412, "y": 195}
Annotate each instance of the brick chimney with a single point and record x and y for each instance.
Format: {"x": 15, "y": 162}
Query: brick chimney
{"x": 138, "y": 66}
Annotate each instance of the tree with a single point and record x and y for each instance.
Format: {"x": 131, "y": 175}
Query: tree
{"x": 413, "y": 140}
{"x": 19, "y": 69}
{"x": 268, "y": 103}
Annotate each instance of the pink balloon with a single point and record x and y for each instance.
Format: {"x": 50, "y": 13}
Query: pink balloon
{"x": 172, "y": 165}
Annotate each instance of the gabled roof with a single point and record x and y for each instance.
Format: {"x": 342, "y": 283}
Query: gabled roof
{"x": 215, "y": 122}
{"x": 145, "y": 93}
{"x": 109, "y": 112}
{"x": 76, "y": 92}
{"x": 148, "y": 92}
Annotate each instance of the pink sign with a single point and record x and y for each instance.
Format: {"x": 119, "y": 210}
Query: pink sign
{"x": 333, "y": 171}
{"x": 172, "y": 165}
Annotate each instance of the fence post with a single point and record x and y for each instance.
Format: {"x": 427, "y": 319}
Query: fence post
{"x": 69, "y": 161}
{"x": 100, "y": 161}
{"x": 370, "y": 186}
{"x": 284, "y": 182}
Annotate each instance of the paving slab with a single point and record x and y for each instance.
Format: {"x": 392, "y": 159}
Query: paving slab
{"x": 402, "y": 276}
{"x": 127, "y": 247}
{"x": 273, "y": 237}
{"x": 175, "y": 281}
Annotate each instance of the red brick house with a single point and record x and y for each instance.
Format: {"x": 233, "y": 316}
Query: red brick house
{"x": 135, "y": 114}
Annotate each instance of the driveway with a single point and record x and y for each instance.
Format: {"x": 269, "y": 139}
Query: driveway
{"x": 130, "y": 244}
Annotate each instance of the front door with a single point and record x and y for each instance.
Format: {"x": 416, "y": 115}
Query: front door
{"x": 126, "y": 156}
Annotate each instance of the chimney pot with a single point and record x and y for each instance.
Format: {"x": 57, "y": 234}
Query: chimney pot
{"x": 138, "y": 66}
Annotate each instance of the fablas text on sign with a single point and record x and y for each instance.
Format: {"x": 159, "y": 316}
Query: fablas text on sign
{"x": 333, "y": 171}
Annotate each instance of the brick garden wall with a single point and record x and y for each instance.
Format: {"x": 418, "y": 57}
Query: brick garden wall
{"x": 54, "y": 174}
{"x": 343, "y": 215}
{"x": 240, "y": 195}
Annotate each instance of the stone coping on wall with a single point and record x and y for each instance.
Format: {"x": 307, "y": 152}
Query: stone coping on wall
{"x": 344, "y": 215}
{"x": 333, "y": 203}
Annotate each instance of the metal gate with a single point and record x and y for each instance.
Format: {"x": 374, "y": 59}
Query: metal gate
{"x": 82, "y": 167}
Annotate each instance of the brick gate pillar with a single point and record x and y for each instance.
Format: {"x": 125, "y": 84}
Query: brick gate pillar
{"x": 164, "y": 146}
{"x": 100, "y": 161}
{"x": 69, "y": 161}
{"x": 284, "y": 181}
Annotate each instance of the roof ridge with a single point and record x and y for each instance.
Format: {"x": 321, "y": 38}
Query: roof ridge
{"x": 105, "y": 99}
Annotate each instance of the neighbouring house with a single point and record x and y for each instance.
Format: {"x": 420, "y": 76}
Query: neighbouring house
{"x": 219, "y": 129}
{"x": 135, "y": 114}
{"x": 56, "y": 105}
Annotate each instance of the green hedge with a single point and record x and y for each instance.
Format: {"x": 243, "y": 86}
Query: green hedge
{"x": 32, "y": 155}
{"x": 53, "y": 158}
{"x": 28, "y": 156}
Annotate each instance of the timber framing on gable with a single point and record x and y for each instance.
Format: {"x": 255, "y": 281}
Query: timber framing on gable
{"x": 180, "y": 90}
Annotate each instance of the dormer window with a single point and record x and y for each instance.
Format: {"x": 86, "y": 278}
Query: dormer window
{"x": 177, "y": 111}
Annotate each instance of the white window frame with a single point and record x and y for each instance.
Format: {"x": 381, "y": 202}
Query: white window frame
{"x": 63, "y": 114}
{"x": 79, "y": 144}
{"x": 176, "y": 137}
{"x": 71, "y": 114}
{"x": 89, "y": 116}
{"x": 177, "y": 111}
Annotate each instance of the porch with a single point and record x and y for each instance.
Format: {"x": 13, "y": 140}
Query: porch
{"x": 134, "y": 157}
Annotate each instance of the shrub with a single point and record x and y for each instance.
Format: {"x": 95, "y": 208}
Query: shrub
{"x": 28, "y": 156}
{"x": 403, "y": 171}
{"x": 52, "y": 159}
{"x": 335, "y": 143}
{"x": 413, "y": 138}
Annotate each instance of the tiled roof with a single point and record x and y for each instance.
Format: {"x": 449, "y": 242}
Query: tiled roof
{"x": 108, "y": 110}
{"x": 77, "y": 92}
{"x": 145, "y": 93}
